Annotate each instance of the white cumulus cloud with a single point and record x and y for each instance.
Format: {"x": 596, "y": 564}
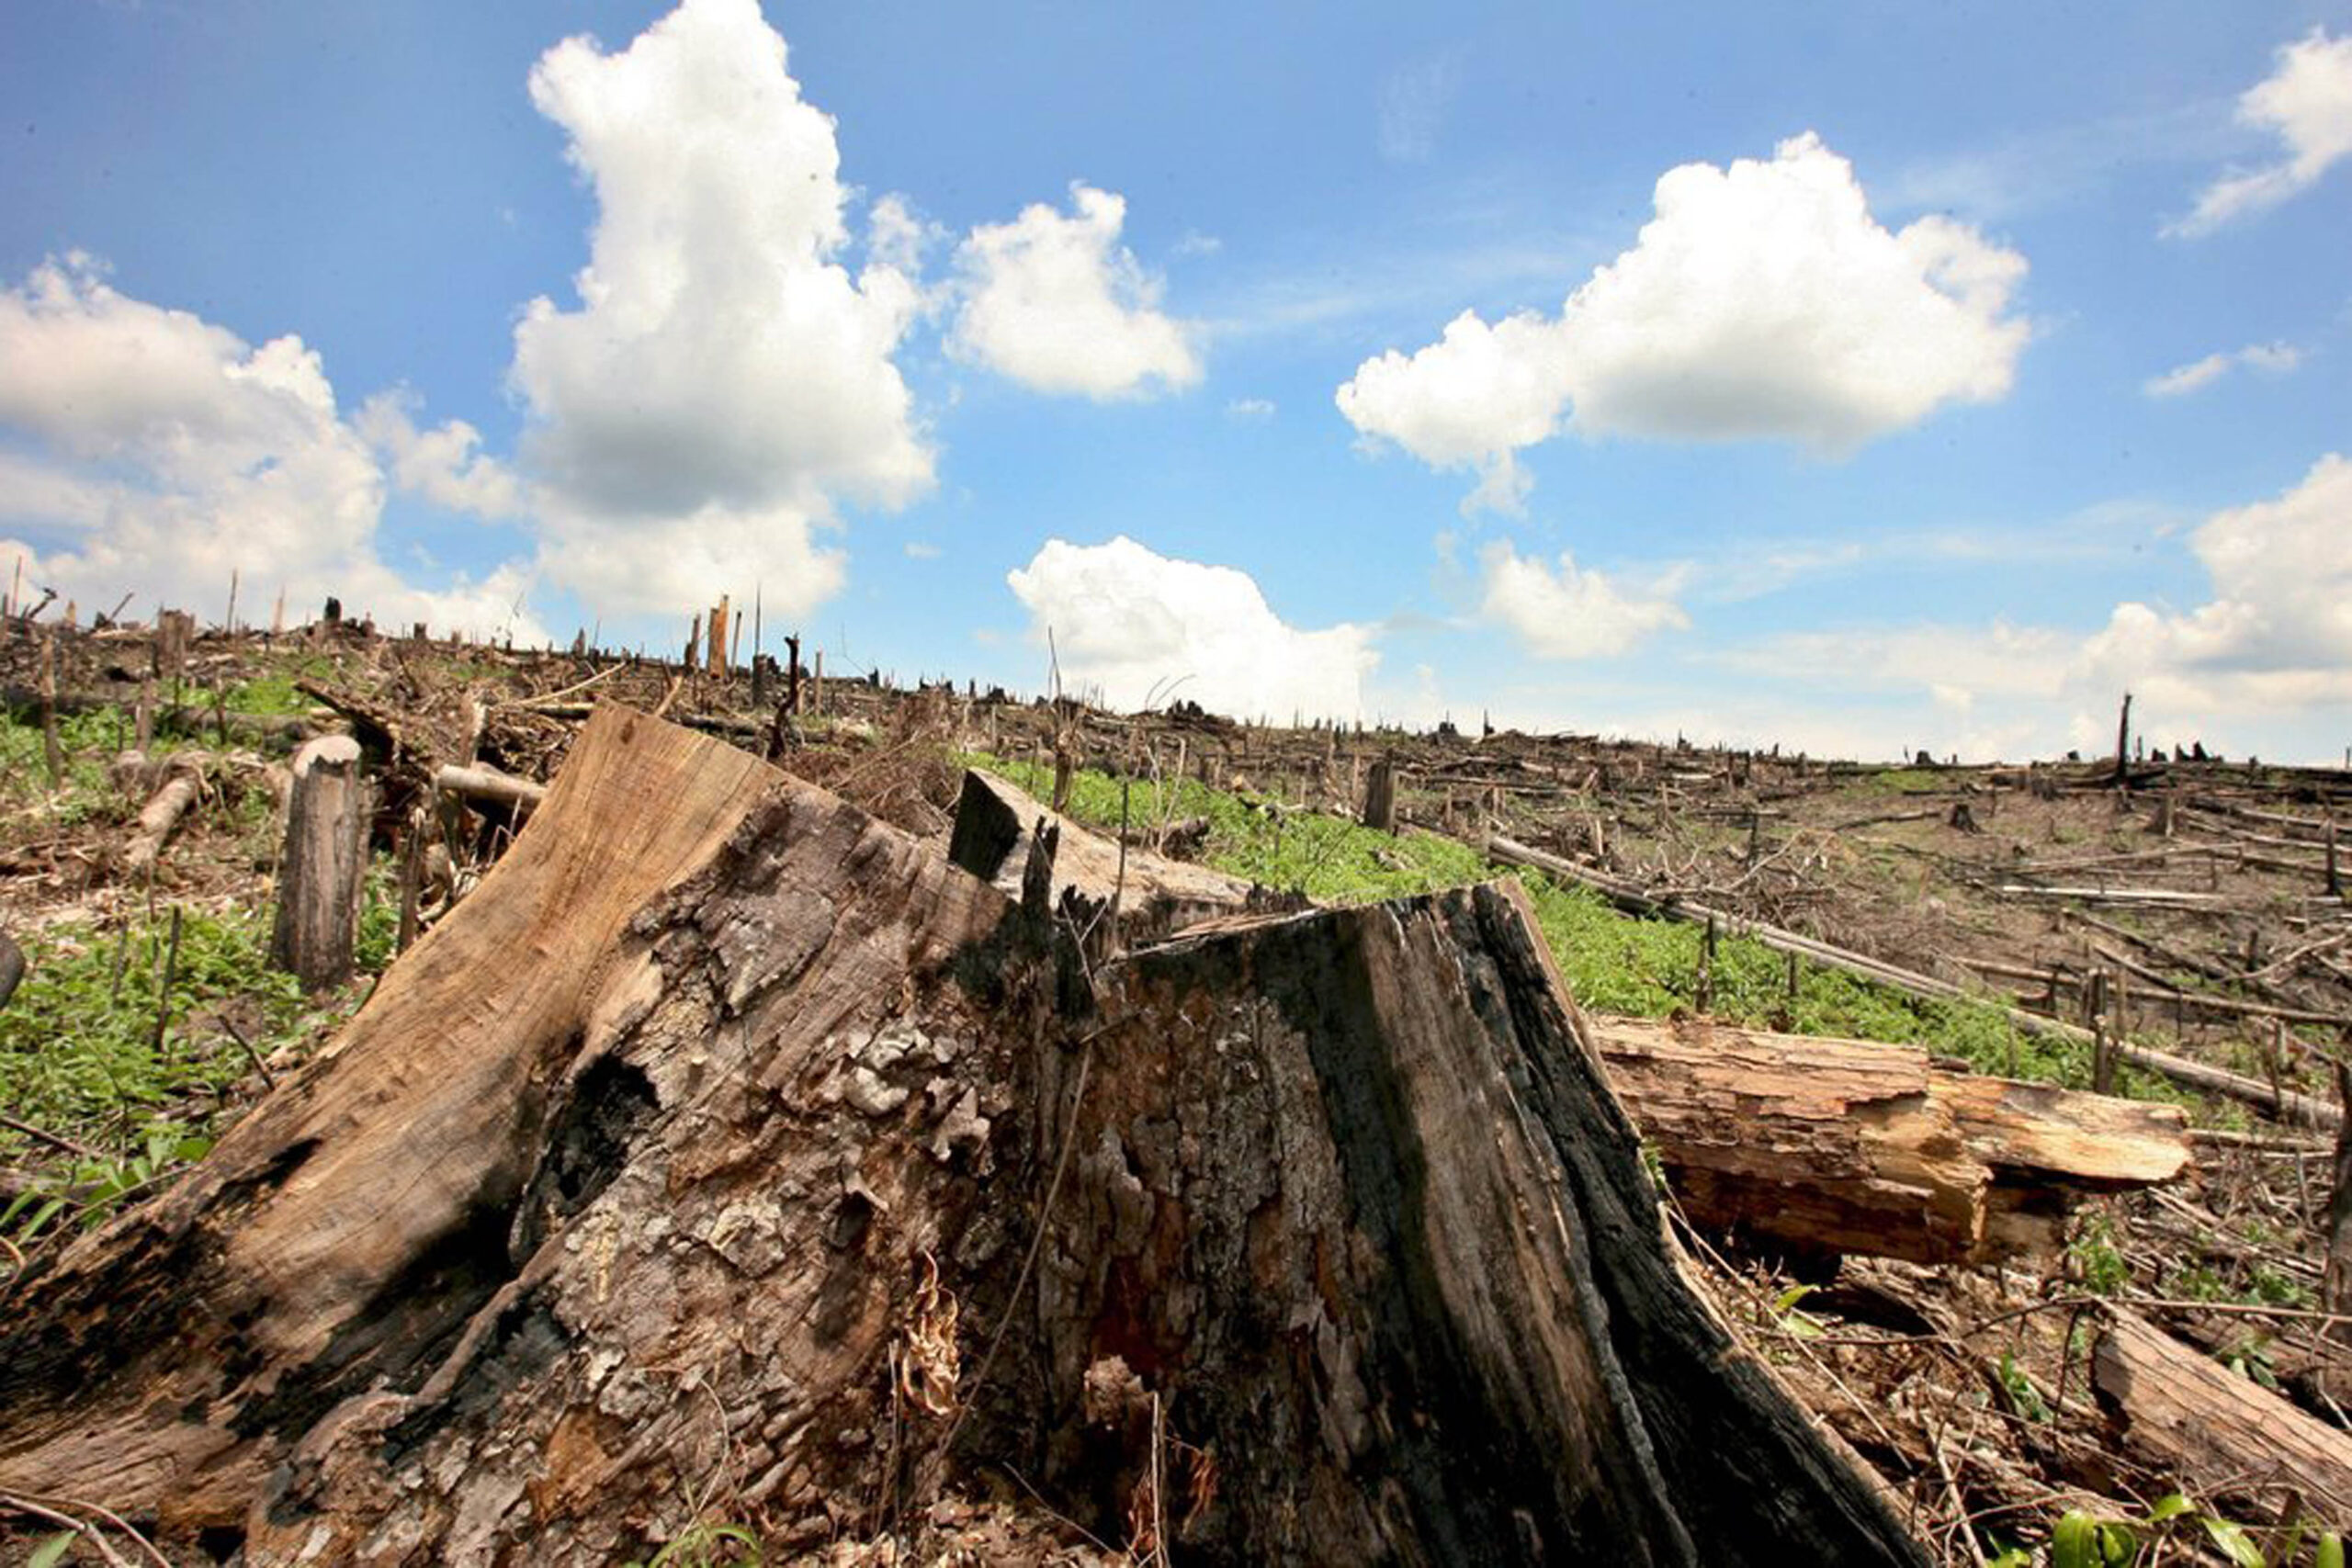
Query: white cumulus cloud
{"x": 2273, "y": 358}
{"x": 725, "y": 381}
{"x": 445, "y": 465}
{"x": 2306, "y": 103}
{"x": 1054, "y": 301}
{"x": 1573, "y": 612}
{"x": 1762, "y": 301}
{"x": 1140, "y": 627}
{"x": 165, "y": 453}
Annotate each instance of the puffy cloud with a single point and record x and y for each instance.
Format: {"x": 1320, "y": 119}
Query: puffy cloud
{"x": 725, "y": 381}
{"x": 168, "y": 453}
{"x": 2306, "y": 102}
{"x": 2276, "y": 358}
{"x": 1762, "y": 301}
{"x": 1054, "y": 302}
{"x": 1143, "y": 627}
{"x": 445, "y": 464}
{"x": 1573, "y": 613}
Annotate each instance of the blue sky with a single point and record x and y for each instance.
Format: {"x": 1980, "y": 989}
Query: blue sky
{"x": 1862, "y": 378}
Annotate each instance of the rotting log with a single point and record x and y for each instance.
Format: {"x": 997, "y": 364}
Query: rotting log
{"x": 321, "y": 867}
{"x": 658, "y": 1172}
{"x": 1822, "y": 1146}
{"x": 2217, "y": 1435}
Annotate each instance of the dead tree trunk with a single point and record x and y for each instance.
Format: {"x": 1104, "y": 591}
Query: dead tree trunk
{"x": 325, "y": 855}
{"x": 656, "y": 1175}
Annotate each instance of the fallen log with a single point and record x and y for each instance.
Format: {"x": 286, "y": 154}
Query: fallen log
{"x": 2217, "y": 1435}
{"x": 161, "y": 814}
{"x": 756, "y": 1148}
{"x": 2287, "y": 1105}
{"x": 488, "y": 783}
{"x": 1822, "y": 1146}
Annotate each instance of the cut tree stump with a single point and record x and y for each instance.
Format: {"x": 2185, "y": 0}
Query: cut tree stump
{"x": 2217, "y": 1435}
{"x": 320, "y": 870}
{"x": 728, "y": 1149}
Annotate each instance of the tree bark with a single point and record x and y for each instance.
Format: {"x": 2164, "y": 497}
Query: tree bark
{"x": 12, "y": 967}
{"x": 324, "y": 858}
{"x": 727, "y": 1147}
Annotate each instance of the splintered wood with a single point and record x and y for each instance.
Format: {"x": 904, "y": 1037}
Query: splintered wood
{"x": 727, "y": 1147}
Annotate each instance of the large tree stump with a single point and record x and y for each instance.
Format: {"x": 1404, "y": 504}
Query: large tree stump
{"x": 656, "y": 1175}
{"x": 325, "y": 859}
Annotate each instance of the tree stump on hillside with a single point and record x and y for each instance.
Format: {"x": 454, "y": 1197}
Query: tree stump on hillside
{"x": 322, "y": 864}
{"x": 1380, "y": 797}
{"x": 729, "y": 1149}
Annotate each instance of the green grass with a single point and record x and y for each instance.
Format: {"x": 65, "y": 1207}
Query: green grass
{"x": 77, "y": 1042}
{"x": 1612, "y": 961}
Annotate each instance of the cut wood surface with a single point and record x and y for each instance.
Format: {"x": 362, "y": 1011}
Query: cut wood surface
{"x": 2218, "y": 1435}
{"x": 996, "y": 821}
{"x": 1852, "y": 1146}
{"x": 725, "y": 1136}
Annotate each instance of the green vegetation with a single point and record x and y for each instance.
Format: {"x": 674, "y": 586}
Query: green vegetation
{"x": 78, "y": 1051}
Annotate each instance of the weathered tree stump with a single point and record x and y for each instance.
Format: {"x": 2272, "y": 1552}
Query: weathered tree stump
{"x": 324, "y": 858}
{"x": 729, "y": 1148}
{"x": 1380, "y": 797}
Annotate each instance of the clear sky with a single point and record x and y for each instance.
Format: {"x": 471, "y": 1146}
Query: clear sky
{"x": 1861, "y": 377}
